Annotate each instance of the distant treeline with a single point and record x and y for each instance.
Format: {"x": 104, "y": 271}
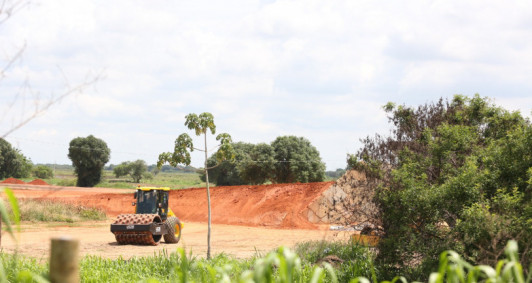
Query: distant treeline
{"x": 110, "y": 167}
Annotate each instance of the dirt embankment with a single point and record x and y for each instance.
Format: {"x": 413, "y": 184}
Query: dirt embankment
{"x": 276, "y": 206}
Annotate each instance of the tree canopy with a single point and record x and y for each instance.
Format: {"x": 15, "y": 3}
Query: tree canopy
{"x": 228, "y": 172}
{"x": 297, "y": 160}
{"x": 288, "y": 159}
{"x": 88, "y": 156}
{"x": 12, "y": 162}
{"x": 452, "y": 175}
{"x": 135, "y": 169}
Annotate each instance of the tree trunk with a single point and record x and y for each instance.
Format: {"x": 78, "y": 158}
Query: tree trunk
{"x": 208, "y": 202}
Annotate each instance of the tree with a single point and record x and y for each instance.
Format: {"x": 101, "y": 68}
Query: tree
{"x": 183, "y": 146}
{"x": 12, "y": 162}
{"x": 229, "y": 173}
{"x": 259, "y": 166}
{"x": 121, "y": 169}
{"x": 43, "y": 172}
{"x": 297, "y": 161}
{"x": 88, "y": 156}
{"x": 135, "y": 170}
{"x": 452, "y": 175}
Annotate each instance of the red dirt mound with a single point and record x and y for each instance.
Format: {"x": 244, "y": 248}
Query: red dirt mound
{"x": 38, "y": 182}
{"x": 12, "y": 181}
{"x": 276, "y": 206}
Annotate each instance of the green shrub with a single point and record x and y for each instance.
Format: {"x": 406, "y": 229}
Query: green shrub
{"x": 355, "y": 260}
{"x": 43, "y": 172}
{"x": 67, "y": 182}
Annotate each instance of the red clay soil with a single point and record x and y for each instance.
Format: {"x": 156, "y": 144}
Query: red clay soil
{"x": 38, "y": 182}
{"x": 276, "y": 206}
{"x": 12, "y": 181}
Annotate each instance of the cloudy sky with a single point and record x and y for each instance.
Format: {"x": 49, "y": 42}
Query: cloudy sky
{"x": 311, "y": 68}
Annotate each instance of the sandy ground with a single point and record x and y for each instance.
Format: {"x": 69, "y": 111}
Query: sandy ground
{"x": 246, "y": 220}
{"x": 96, "y": 239}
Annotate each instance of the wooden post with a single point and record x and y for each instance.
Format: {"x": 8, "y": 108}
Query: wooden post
{"x": 64, "y": 263}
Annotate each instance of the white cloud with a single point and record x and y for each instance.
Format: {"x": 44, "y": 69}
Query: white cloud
{"x": 264, "y": 68}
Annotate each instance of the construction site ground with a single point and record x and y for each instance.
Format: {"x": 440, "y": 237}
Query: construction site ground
{"x": 246, "y": 220}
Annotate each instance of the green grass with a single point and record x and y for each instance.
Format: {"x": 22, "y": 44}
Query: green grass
{"x": 278, "y": 266}
{"x": 357, "y": 259}
{"x": 48, "y": 211}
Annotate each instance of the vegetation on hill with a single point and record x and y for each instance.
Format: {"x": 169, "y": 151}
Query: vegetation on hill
{"x": 288, "y": 159}
{"x": 453, "y": 175}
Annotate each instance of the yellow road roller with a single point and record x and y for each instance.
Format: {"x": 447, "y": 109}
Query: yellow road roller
{"x": 153, "y": 220}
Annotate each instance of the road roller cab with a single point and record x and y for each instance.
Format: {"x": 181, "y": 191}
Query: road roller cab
{"x": 152, "y": 201}
{"x": 153, "y": 220}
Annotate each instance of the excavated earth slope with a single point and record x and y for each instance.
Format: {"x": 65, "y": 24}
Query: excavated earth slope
{"x": 276, "y": 206}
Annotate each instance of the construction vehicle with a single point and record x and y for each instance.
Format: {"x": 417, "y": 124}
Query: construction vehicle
{"x": 153, "y": 220}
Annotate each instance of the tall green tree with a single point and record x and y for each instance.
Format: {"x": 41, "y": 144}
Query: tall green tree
{"x": 452, "y": 175}
{"x": 88, "y": 156}
{"x": 228, "y": 172}
{"x": 201, "y": 124}
{"x": 297, "y": 160}
{"x": 259, "y": 165}
{"x": 253, "y": 165}
{"x": 12, "y": 162}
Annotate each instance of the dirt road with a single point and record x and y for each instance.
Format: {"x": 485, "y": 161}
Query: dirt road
{"x": 96, "y": 239}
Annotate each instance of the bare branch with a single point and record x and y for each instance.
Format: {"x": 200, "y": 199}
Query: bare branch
{"x": 7, "y": 12}
{"x": 11, "y": 61}
{"x": 212, "y": 167}
{"x": 39, "y": 109}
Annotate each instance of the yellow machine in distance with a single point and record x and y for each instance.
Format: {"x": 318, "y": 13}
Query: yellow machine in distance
{"x": 153, "y": 219}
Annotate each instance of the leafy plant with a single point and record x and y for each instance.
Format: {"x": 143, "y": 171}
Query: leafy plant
{"x": 452, "y": 175}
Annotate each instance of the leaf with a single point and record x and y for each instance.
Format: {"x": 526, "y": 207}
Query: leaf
{"x": 14, "y": 205}
{"x": 5, "y": 218}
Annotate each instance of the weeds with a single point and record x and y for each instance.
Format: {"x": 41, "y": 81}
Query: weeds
{"x": 48, "y": 211}
{"x": 278, "y": 266}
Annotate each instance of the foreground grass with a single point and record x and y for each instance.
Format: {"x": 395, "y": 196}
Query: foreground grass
{"x": 48, "y": 211}
{"x": 278, "y": 266}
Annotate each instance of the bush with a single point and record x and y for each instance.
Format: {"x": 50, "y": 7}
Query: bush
{"x": 355, "y": 260}
{"x": 43, "y": 172}
{"x": 453, "y": 175}
{"x": 12, "y": 162}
